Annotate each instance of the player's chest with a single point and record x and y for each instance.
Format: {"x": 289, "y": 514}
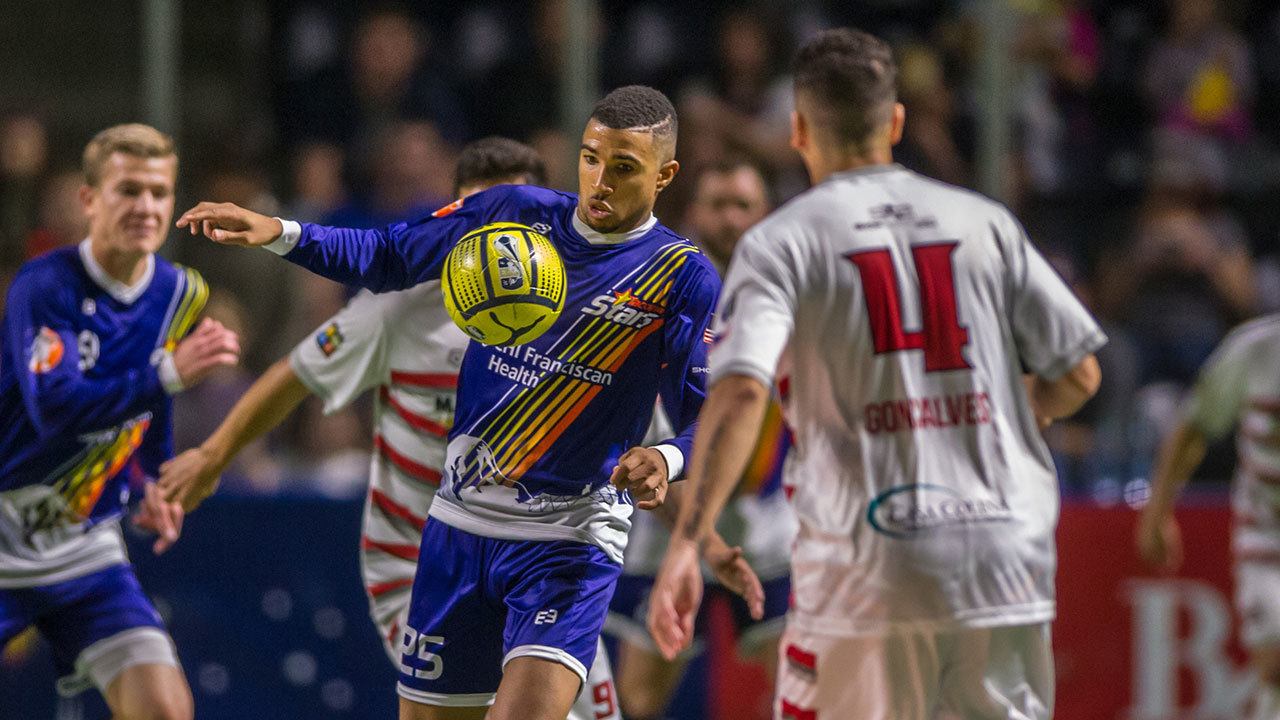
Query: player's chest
{"x": 112, "y": 336}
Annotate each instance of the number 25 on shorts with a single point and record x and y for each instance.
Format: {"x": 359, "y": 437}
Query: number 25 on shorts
{"x": 413, "y": 645}
{"x": 941, "y": 336}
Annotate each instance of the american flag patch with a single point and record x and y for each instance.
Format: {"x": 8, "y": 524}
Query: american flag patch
{"x": 709, "y": 336}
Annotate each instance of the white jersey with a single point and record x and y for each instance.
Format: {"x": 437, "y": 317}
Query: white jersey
{"x": 907, "y": 311}
{"x": 1239, "y": 385}
{"x": 404, "y": 344}
{"x": 759, "y": 520}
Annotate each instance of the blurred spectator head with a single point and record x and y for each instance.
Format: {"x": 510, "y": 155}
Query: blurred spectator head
{"x": 729, "y": 197}
{"x": 922, "y": 82}
{"x": 317, "y": 179}
{"x": 412, "y": 167}
{"x": 846, "y": 100}
{"x": 129, "y": 174}
{"x": 61, "y": 221}
{"x": 496, "y": 161}
{"x": 227, "y": 309}
{"x": 24, "y": 147}
{"x": 386, "y": 49}
{"x": 745, "y": 45}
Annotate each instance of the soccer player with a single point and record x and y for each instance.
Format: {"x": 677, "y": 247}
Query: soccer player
{"x": 1238, "y": 386}
{"x": 729, "y": 197}
{"x": 404, "y": 344}
{"x": 543, "y": 467}
{"x": 905, "y": 313}
{"x": 95, "y": 341}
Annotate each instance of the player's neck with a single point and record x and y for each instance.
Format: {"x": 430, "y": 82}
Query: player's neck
{"x": 124, "y": 267}
{"x": 822, "y": 165}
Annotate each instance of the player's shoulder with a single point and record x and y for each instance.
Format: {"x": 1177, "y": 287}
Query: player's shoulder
{"x": 522, "y": 197}
{"x": 695, "y": 266}
{"x": 1260, "y": 331}
{"x": 52, "y": 273}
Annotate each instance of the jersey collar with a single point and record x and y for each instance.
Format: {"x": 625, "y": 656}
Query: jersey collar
{"x": 126, "y": 294}
{"x": 597, "y": 238}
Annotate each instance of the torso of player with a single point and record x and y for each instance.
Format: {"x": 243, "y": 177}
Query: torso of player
{"x": 925, "y": 492}
{"x": 1256, "y": 486}
{"x": 540, "y": 425}
{"x": 54, "y": 489}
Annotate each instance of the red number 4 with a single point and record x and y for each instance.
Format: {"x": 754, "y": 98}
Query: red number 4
{"x": 941, "y": 336}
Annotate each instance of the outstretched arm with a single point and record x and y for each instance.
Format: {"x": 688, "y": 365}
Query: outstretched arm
{"x": 727, "y": 431}
{"x": 192, "y": 476}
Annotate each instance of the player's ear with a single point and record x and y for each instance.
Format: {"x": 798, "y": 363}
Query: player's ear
{"x": 799, "y": 131}
{"x": 85, "y": 195}
{"x": 667, "y": 173}
{"x": 897, "y": 123}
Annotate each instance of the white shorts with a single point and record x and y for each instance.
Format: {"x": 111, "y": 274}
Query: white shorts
{"x": 1258, "y": 602}
{"x": 988, "y": 674}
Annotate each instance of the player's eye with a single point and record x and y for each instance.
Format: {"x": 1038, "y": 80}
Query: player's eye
{"x": 589, "y": 159}
{"x": 625, "y": 167}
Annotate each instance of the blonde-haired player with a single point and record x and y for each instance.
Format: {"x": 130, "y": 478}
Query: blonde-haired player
{"x": 906, "y": 312}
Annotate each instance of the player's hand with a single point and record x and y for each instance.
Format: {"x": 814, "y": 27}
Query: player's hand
{"x": 732, "y": 571}
{"x": 643, "y": 472}
{"x": 189, "y": 478}
{"x": 674, "y": 601}
{"x": 230, "y": 224}
{"x": 159, "y": 516}
{"x": 211, "y": 345}
{"x": 1160, "y": 542}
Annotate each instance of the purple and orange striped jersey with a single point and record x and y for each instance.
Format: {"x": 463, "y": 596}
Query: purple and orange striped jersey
{"x": 83, "y": 411}
{"x": 539, "y": 427}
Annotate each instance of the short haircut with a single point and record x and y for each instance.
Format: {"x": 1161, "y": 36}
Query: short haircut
{"x": 639, "y": 107}
{"x": 134, "y": 139}
{"x": 732, "y": 163}
{"x": 847, "y": 79}
{"x": 493, "y": 159}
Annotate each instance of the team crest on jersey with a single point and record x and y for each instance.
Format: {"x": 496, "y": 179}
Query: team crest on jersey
{"x": 329, "y": 339}
{"x": 46, "y": 352}
{"x": 447, "y": 209}
{"x": 624, "y": 308}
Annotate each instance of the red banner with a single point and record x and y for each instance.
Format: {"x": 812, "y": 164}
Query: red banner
{"x": 1129, "y": 644}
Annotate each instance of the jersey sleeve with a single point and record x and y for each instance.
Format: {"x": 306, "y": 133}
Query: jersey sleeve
{"x": 757, "y": 310}
{"x": 1051, "y": 328}
{"x": 682, "y": 381}
{"x": 157, "y": 444}
{"x": 400, "y": 255}
{"x": 347, "y": 355}
{"x": 1215, "y": 402}
{"x": 39, "y": 329}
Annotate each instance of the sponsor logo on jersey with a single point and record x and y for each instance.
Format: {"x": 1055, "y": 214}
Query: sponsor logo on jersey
{"x": 46, "y": 352}
{"x": 447, "y": 209}
{"x": 329, "y": 339}
{"x": 909, "y": 510}
{"x": 624, "y": 308}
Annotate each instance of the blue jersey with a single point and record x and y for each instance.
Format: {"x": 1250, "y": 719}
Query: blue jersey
{"x": 539, "y": 427}
{"x": 83, "y": 410}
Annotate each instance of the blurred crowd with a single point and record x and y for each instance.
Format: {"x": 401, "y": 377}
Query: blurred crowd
{"x": 1145, "y": 150}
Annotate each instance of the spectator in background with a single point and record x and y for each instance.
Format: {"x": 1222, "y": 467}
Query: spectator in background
{"x": 24, "y": 150}
{"x": 729, "y": 197}
{"x": 928, "y": 143}
{"x": 388, "y": 77}
{"x": 59, "y": 220}
{"x": 316, "y": 172}
{"x": 1188, "y": 277}
{"x": 744, "y": 104}
{"x": 410, "y": 174}
{"x": 1199, "y": 77}
{"x": 1061, "y": 49}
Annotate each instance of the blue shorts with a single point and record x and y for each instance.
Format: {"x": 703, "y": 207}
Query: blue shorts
{"x": 479, "y": 602}
{"x": 75, "y": 614}
{"x": 630, "y": 606}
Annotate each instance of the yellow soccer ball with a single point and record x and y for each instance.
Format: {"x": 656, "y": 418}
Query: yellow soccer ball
{"x": 503, "y": 284}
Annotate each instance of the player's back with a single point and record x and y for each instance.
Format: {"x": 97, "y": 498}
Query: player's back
{"x": 925, "y": 492}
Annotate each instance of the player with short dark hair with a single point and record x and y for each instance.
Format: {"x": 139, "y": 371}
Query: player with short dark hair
{"x": 497, "y": 160}
{"x": 543, "y": 465}
{"x": 904, "y": 313}
{"x": 95, "y": 341}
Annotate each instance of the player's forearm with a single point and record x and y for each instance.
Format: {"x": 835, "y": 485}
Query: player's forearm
{"x": 727, "y": 430}
{"x": 78, "y": 404}
{"x": 263, "y": 406}
{"x": 1180, "y": 454}
{"x": 367, "y": 258}
{"x": 1063, "y": 396}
